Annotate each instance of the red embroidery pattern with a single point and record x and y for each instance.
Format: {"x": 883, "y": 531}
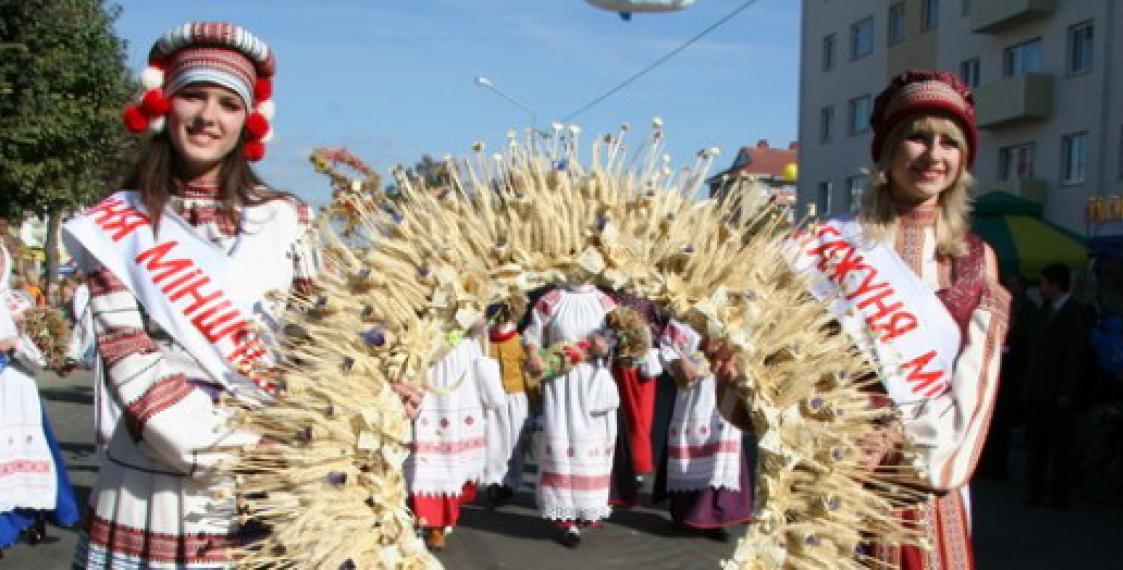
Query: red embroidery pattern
{"x": 912, "y": 247}
{"x": 204, "y": 214}
{"x": 574, "y": 482}
{"x": 24, "y": 466}
{"x": 969, "y": 281}
{"x": 163, "y": 394}
{"x": 164, "y": 548}
{"x": 703, "y": 451}
{"x": 303, "y": 214}
{"x": 116, "y": 344}
{"x": 677, "y": 337}
{"x": 954, "y": 539}
{"x": 545, "y": 306}
{"x": 449, "y": 447}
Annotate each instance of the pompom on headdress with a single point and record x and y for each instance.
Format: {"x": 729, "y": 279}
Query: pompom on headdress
{"x": 211, "y": 52}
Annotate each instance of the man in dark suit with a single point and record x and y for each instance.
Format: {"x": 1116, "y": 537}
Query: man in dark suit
{"x": 1057, "y": 366}
{"x": 1008, "y": 408}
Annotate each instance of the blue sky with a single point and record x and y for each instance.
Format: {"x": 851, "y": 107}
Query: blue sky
{"x": 394, "y": 80}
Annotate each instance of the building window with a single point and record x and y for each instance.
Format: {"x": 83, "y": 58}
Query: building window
{"x": 929, "y": 15}
{"x": 1022, "y": 58}
{"x": 823, "y": 199}
{"x": 829, "y": 43}
{"x": 1016, "y": 161}
{"x": 855, "y": 187}
{"x": 895, "y": 23}
{"x": 826, "y": 124}
{"x": 969, "y": 71}
{"x": 1074, "y": 155}
{"x": 859, "y": 115}
{"x": 1080, "y": 48}
{"x": 861, "y": 38}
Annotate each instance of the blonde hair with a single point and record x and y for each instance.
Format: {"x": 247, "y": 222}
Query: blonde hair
{"x": 878, "y": 213}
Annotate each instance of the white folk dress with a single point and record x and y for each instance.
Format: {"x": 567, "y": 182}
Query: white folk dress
{"x": 449, "y": 441}
{"x": 575, "y": 449}
{"x": 506, "y": 422}
{"x": 158, "y": 502}
{"x": 703, "y": 449}
{"x": 30, "y": 479}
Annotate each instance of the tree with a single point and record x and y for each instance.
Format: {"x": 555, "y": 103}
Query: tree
{"x": 63, "y": 85}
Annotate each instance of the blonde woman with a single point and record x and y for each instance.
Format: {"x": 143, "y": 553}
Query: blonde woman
{"x": 922, "y": 294}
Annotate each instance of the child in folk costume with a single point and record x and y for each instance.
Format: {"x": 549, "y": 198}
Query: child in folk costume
{"x": 708, "y": 476}
{"x": 921, "y": 292}
{"x": 506, "y": 423}
{"x": 33, "y": 477}
{"x": 189, "y": 270}
{"x": 449, "y": 447}
{"x": 576, "y": 446}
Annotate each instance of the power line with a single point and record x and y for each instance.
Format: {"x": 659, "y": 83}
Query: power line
{"x": 660, "y": 61}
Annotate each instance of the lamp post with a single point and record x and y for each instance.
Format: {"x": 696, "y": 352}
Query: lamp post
{"x": 487, "y": 84}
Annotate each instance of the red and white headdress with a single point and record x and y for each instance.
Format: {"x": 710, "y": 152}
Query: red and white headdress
{"x": 211, "y": 52}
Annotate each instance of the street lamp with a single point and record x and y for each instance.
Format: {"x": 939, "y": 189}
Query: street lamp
{"x": 486, "y": 83}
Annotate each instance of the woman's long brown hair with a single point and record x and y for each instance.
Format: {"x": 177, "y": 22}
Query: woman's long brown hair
{"x": 153, "y": 175}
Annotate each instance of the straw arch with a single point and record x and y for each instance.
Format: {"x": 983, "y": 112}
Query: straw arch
{"x": 412, "y": 272}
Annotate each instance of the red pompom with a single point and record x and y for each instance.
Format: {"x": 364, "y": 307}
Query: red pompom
{"x": 257, "y": 126}
{"x": 262, "y": 89}
{"x": 135, "y": 119}
{"x": 154, "y": 104}
{"x": 253, "y": 150}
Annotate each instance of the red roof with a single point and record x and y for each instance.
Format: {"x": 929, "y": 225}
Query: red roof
{"x": 763, "y": 160}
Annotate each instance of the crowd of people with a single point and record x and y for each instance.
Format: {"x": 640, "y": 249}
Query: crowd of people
{"x": 1062, "y": 392}
{"x": 199, "y": 240}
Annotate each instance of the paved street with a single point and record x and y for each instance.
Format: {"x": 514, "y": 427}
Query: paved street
{"x": 1008, "y": 534}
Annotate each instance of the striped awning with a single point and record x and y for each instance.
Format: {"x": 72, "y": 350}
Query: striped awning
{"x": 1022, "y": 241}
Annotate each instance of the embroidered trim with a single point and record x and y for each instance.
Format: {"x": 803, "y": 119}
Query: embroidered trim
{"x": 198, "y": 547}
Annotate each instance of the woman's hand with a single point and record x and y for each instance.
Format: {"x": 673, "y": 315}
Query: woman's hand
{"x": 722, "y": 359}
{"x": 410, "y": 396}
{"x": 599, "y": 347}
{"x": 878, "y": 445}
{"x": 9, "y": 344}
{"x": 535, "y": 365}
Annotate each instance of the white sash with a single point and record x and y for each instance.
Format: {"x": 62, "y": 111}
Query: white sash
{"x": 883, "y": 307}
{"x": 192, "y": 289}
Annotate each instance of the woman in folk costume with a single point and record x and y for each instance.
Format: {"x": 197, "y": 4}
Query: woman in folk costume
{"x": 910, "y": 283}
{"x": 637, "y": 381}
{"x": 33, "y": 477}
{"x": 575, "y": 449}
{"x": 189, "y": 270}
{"x": 449, "y": 448}
{"x": 707, "y": 473}
{"x": 506, "y": 423}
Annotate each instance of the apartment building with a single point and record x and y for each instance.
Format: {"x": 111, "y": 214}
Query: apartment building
{"x": 1048, "y": 85}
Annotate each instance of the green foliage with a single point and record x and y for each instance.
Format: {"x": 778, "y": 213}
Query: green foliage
{"x": 63, "y": 84}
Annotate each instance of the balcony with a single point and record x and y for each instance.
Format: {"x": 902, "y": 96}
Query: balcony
{"x": 995, "y": 16}
{"x": 1032, "y": 189}
{"x": 1013, "y": 100}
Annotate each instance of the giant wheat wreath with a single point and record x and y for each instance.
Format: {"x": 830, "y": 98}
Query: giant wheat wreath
{"x": 405, "y": 279}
